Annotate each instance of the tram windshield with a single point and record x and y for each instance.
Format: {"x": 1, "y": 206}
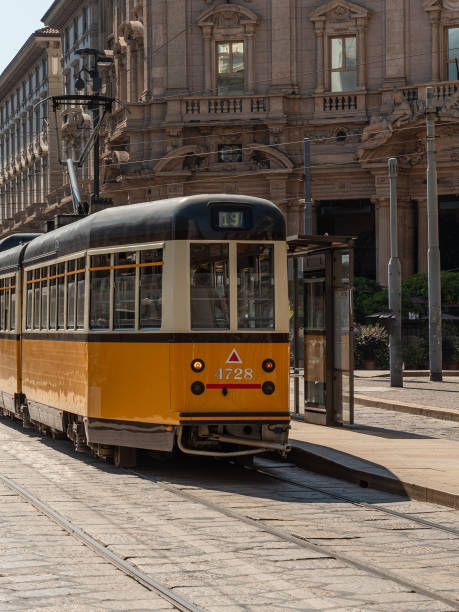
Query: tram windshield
{"x": 255, "y": 286}
{"x": 209, "y": 291}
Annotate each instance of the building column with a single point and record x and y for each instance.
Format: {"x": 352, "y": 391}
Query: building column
{"x": 319, "y": 30}
{"x": 207, "y": 38}
{"x": 436, "y": 43}
{"x": 382, "y": 222}
{"x": 406, "y": 237}
{"x": 250, "y": 59}
{"x": 423, "y": 242}
{"x": 362, "y": 53}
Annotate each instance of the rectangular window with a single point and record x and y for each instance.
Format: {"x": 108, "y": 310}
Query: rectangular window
{"x": 13, "y": 304}
{"x": 29, "y": 301}
{"x": 209, "y": 291}
{"x": 453, "y": 54}
{"x": 2, "y": 304}
{"x": 255, "y": 286}
{"x": 343, "y": 54}
{"x": 81, "y": 265}
{"x": 100, "y": 292}
{"x": 6, "y": 317}
{"x": 230, "y": 68}
{"x": 71, "y": 294}
{"x": 61, "y": 296}
{"x": 36, "y": 300}
{"x": 229, "y": 153}
{"x": 124, "y": 315}
{"x": 44, "y": 300}
{"x": 52, "y": 297}
{"x": 151, "y": 274}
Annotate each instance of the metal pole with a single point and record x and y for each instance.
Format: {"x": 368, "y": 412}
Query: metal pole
{"x": 435, "y": 333}
{"x": 395, "y": 289}
{"x": 296, "y": 357}
{"x": 307, "y": 188}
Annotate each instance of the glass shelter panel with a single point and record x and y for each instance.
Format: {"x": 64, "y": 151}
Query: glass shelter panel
{"x": 314, "y": 339}
{"x": 209, "y": 291}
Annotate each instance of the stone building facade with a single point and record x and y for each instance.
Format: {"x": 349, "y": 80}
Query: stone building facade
{"x": 222, "y": 94}
{"x": 219, "y": 96}
{"x": 29, "y": 172}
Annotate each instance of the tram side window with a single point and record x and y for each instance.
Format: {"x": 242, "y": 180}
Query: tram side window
{"x": 60, "y": 295}
{"x": 44, "y": 299}
{"x": 100, "y": 292}
{"x": 13, "y": 304}
{"x": 36, "y": 299}
{"x": 29, "y": 300}
{"x": 52, "y": 297}
{"x": 151, "y": 275}
{"x": 2, "y": 304}
{"x": 124, "y": 315}
{"x": 71, "y": 281}
{"x": 255, "y": 286}
{"x": 81, "y": 264}
{"x": 209, "y": 291}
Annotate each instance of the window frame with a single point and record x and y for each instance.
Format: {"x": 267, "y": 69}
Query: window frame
{"x": 331, "y": 70}
{"x": 231, "y": 73}
{"x": 447, "y": 61}
{"x": 111, "y": 251}
{"x": 278, "y": 257}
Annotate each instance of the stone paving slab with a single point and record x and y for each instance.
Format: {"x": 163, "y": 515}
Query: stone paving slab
{"x": 424, "y": 469}
{"x": 419, "y": 394}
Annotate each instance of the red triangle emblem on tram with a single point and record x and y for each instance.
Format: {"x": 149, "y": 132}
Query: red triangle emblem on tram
{"x": 234, "y": 357}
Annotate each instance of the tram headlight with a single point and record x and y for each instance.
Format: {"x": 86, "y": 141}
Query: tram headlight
{"x": 198, "y": 365}
{"x": 268, "y": 387}
{"x": 197, "y": 387}
{"x": 268, "y": 365}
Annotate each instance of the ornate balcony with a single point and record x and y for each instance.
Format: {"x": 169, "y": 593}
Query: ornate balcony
{"x": 212, "y": 108}
{"x": 345, "y": 104}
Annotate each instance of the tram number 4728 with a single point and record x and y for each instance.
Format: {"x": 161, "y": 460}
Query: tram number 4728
{"x": 234, "y": 374}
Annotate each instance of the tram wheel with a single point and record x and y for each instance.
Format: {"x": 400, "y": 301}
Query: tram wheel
{"x": 125, "y": 457}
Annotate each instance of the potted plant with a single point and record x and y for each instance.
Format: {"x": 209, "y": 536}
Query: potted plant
{"x": 371, "y": 346}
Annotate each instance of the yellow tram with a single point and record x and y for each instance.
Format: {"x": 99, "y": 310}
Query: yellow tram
{"x": 158, "y": 326}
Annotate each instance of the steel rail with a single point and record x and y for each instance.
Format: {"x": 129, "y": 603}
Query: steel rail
{"x": 366, "y": 505}
{"x": 146, "y": 581}
{"x": 303, "y": 542}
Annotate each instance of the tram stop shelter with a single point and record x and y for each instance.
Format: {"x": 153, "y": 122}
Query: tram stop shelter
{"x": 321, "y": 328}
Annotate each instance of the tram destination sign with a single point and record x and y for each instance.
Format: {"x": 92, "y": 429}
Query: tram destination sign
{"x": 232, "y": 219}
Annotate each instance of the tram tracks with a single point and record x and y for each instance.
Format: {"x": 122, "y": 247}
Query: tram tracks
{"x": 361, "y": 504}
{"x": 178, "y": 602}
{"x": 248, "y": 517}
{"x": 306, "y": 543}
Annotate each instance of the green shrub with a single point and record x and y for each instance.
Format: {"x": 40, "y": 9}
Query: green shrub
{"x": 415, "y": 352}
{"x": 371, "y": 343}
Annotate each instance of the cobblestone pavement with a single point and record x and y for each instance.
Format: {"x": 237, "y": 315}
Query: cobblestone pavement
{"x": 416, "y": 390}
{"x": 392, "y": 424}
{"x": 40, "y": 565}
{"x": 217, "y": 561}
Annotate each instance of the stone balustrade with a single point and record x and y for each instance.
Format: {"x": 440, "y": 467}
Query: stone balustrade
{"x": 343, "y": 104}
{"x": 214, "y": 108}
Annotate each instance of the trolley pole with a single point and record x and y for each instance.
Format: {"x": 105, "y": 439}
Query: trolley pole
{"x": 307, "y": 212}
{"x": 434, "y": 279}
{"x": 395, "y": 290}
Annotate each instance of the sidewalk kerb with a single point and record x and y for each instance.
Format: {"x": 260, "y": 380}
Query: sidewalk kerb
{"x": 429, "y": 411}
{"x": 323, "y": 465}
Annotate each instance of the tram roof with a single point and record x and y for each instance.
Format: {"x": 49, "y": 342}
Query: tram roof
{"x": 186, "y": 218}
